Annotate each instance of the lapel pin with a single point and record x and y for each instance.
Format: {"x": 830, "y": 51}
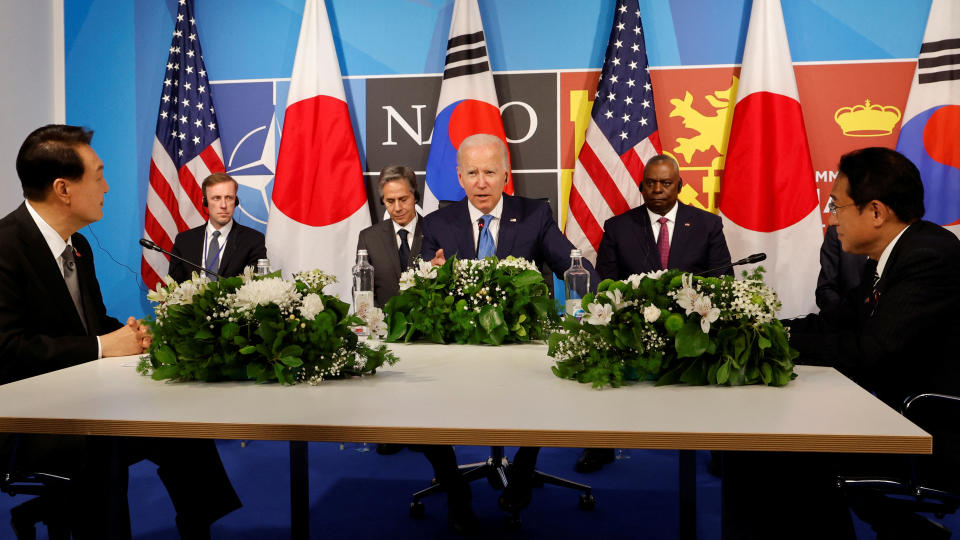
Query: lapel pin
{"x": 686, "y": 224}
{"x": 513, "y": 220}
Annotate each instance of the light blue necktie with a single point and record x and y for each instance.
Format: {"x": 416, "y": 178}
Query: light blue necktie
{"x": 213, "y": 254}
{"x": 485, "y": 247}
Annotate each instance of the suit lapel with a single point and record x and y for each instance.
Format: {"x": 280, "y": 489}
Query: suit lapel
{"x": 509, "y": 218}
{"x": 45, "y": 266}
{"x": 415, "y": 246}
{"x": 650, "y": 255}
{"x": 464, "y": 235}
{"x": 229, "y": 248}
{"x": 681, "y": 234}
{"x": 389, "y": 245}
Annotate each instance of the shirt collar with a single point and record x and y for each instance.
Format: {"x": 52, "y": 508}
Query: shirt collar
{"x": 409, "y": 227}
{"x": 886, "y": 252}
{"x": 54, "y": 242}
{"x": 224, "y": 231}
{"x": 476, "y": 214}
{"x": 671, "y": 215}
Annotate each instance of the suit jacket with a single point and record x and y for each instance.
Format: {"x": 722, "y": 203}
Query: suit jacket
{"x": 839, "y": 271}
{"x": 40, "y": 329}
{"x": 628, "y": 245}
{"x": 381, "y": 244}
{"x": 527, "y": 229}
{"x": 903, "y": 340}
{"x": 244, "y": 246}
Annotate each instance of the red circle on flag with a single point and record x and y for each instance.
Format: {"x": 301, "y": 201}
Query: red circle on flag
{"x": 319, "y": 181}
{"x": 472, "y": 117}
{"x": 768, "y": 182}
{"x": 939, "y": 135}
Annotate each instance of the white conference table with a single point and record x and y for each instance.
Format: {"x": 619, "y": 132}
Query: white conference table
{"x": 473, "y": 395}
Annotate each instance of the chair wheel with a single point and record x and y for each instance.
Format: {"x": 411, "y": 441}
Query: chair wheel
{"x": 587, "y": 502}
{"x": 512, "y": 522}
{"x": 417, "y": 510}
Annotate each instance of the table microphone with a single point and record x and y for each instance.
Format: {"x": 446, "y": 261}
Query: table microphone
{"x": 151, "y": 245}
{"x": 749, "y": 259}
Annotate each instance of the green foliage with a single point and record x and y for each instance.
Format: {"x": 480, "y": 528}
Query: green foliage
{"x": 673, "y": 328}
{"x": 224, "y": 330}
{"x": 475, "y": 302}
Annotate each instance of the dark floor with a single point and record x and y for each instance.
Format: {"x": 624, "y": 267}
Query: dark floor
{"x": 357, "y": 495}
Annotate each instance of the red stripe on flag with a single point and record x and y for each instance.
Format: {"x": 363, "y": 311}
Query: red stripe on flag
{"x": 212, "y": 160}
{"x": 156, "y": 231}
{"x": 585, "y": 218}
{"x": 601, "y": 178}
{"x": 162, "y": 188}
{"x": 189, "y": 184}
{"x": 654, "y": 139}
{"x": 149, "y": 275}
{"x": 631, "y": 160}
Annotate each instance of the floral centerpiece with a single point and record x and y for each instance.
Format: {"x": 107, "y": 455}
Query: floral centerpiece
{"x": 672, "y": 327}
{"x": 487, "y": 301}
{"x": 262, "y": 328}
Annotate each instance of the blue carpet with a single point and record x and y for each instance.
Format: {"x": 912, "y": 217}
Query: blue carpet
{"x": 365, "y": 495}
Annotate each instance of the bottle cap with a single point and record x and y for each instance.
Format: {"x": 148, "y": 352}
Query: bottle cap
{"x": 361, "y": 252}
{"x": 576, "y": 253}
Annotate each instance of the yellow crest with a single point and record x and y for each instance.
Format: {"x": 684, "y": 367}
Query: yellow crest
{"x": 867, "y": 120}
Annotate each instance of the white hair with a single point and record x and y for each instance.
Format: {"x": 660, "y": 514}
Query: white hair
{"x": 483, "y": 139}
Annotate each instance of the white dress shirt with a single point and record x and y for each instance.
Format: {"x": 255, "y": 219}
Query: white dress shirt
{"x": 671, "y": 221}
{"x": 475, "y": 216}
{"x": 409, "y": 227}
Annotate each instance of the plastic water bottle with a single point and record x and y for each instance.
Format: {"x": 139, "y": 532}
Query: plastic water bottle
{"x": 362, "y": 285}
{"x": 577, "y": 282}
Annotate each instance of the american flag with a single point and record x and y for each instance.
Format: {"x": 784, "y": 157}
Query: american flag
{"x": 186, "y": 148}
{"x": 621, "y": 137}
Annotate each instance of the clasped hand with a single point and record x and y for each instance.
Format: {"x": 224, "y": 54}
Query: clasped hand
{"x": 132, "y": 338}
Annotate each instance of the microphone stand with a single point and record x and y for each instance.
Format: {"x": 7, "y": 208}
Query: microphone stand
{"x": 750, "y": 259}
{"x": 151, "y": 245}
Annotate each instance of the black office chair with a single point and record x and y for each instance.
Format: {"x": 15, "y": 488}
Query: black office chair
{"x": 929, "y": 483}
{"x": 47, "y": 506}
{"x": 496, "y": 470}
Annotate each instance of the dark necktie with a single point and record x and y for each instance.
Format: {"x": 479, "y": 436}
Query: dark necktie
{"x": 663, "y": 243}
{"x": 73, "y": 283}
{"x": 404, "y": 249}
{"x": 485, "y": 246}
{"x": 213, "y": 254}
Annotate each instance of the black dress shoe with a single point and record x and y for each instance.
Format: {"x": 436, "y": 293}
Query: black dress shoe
{"x": 593, "y": 459}
{"x": 463, "y": 521}
{"x": 386, "y": 449}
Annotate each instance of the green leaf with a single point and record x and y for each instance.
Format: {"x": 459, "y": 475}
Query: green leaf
{"x": 229, "y": 330}
{"x": 291, "y": 361}
{"x": 203, "y": 333}
{"x": 165, "y": 355}
{"x": 526, "y": 278}
{"x": 249, "y": 349}
{"x": 691, "y": 341}
{"x": 723, "y": 372}
{"x": 165, "y": 372}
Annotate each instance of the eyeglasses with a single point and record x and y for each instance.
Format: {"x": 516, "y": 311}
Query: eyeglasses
{"x": 832, "y": 207}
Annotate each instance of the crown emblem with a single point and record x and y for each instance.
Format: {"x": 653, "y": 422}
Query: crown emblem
{"x": 867, "y": 120}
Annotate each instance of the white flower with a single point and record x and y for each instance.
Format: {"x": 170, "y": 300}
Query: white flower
{"x": 616, "y": 297}
{"x": 634, "y": 280}
{"x": 654, "y": 275}
{"x": 598, "y": 314}
{"x": 407, "y": 280}
{"x": 375, "y": 321}
{"x": 247, "y": 274}
{"x": 651, "y": 313}
{"x": 687, "y": 295}
{"x": 426, "y": 270}
{"x": 312, "y": 305}
{"x": 707, "y": 312}
{"x": 264, "y": 292}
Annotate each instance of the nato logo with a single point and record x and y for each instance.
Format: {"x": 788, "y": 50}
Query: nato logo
{"x": 251, "y": 117}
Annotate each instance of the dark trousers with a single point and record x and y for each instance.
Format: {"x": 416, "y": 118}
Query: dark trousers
{"x": 96, "y": 498}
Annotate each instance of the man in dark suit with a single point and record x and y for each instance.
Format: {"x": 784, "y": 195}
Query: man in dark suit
{"x": 52, "y": 316}
{"x": 839, "y": 271}
{"x": 895, "y": 335}
{"x": 486, "y": 223}
{"x": 394, "y": 243}
{"x": 658, "y": 235}
{"x": 662, "y": 233}
{"x": 221, "y": 245}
